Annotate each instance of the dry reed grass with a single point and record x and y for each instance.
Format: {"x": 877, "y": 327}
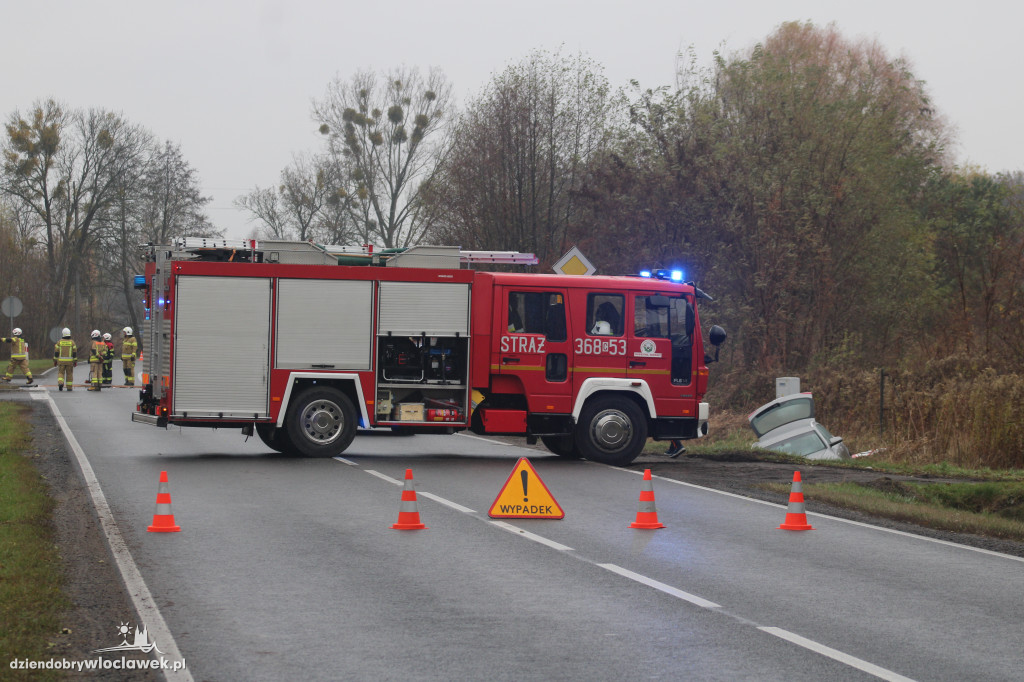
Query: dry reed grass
{"x": 955, "y": 410}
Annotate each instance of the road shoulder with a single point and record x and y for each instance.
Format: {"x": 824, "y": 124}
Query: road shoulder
{"x": 93, "y": 585}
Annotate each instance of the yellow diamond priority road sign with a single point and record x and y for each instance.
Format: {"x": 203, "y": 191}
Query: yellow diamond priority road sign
{"x": 574, "y": 263}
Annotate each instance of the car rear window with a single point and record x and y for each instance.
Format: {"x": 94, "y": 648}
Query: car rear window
{"x": 782, "y": 413}
{"x": 803, "y": 445}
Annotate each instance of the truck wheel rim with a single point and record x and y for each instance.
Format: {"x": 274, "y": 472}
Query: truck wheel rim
{"x": 322, "y": 421}
{"x": 611, "y": 430}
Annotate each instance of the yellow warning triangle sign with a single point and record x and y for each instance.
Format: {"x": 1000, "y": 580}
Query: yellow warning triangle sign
{"x": 524, "y": 496}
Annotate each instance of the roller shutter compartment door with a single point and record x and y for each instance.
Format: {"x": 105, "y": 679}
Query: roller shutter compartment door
{"x": 324, "y": 324}
{"x": 434, "y": 308}
{"x": 222, "y": 347}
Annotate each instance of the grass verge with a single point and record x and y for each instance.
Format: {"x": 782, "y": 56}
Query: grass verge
{"x": 986, "y": 501}
{"x": 31, "y": 597}
{"x": 992, "y": 509}
{"x": 39, "y": 366}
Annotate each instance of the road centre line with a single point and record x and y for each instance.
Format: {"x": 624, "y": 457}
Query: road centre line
{"x": 852, "y": 661}
{"x": 436, "y": 498}
{"x": 667, "y": 589}
{"x": 448, "y": 503}
{"x": 791, "y": 637}
{"x": 532, "y": 536}
{"x": 142, "y": 598}
{"x": 383, "y": 477}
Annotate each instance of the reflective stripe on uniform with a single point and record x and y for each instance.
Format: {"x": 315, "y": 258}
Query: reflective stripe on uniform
{"x": 19, "y": 349}
{"x": 66, "y": 349}
{"x": 129, "y": 348}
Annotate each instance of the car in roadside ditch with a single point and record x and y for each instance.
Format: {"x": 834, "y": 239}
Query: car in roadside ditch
{"x": 787, "y": 425}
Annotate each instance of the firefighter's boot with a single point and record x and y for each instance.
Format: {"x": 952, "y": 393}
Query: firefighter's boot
{"x": 28, "y": 381}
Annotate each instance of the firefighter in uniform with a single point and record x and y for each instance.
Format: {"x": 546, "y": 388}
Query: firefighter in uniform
{"x": 108, "y": 361}
{"x": 65, "y": 359}
{"x": 129, "y": 351}
{"x": 97, "y": 355}
{"x": 19, "y": 356}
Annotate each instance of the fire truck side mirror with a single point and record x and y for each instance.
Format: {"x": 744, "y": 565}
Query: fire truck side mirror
{"x": 716, "y": 335}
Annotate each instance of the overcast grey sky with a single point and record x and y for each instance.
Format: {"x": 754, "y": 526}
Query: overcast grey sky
{"x": 232, "y": 81}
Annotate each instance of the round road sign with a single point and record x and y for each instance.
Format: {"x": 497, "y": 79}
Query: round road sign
{"x": 11, "y": 306}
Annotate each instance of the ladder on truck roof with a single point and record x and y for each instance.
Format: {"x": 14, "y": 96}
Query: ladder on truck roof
{"x": 281, "y": 251}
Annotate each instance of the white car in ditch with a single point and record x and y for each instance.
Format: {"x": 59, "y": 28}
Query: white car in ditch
{"x": 787, "y": 425}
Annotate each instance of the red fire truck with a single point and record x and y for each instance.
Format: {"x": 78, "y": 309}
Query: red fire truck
{"x": 304, "y": 344}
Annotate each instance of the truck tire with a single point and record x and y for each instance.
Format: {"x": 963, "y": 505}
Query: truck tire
{"x": 321, "y": 422}
{"x": 611, "y": 430}
{"x": 275, "y": 438}
{"x": 563, "y": 446}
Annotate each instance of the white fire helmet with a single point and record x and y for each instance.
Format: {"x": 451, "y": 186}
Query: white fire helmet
{"x": 16, "y": 331}
{"x": 95, "y": 333}
{"x": 106, "y": 337}
{"x": 601, "y": 328}
{"x": 127, "y": 331}
{"x": 65, "y": 332}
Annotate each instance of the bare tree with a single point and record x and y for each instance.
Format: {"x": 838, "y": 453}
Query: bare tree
{"x": 65, "y": 167}
{"x": 265, "y": 206}
{"x": 388, "y": 138}
{"x": 518, "y": 152}
{"x": 310, "y": 203}
{"x": 158, "y": 199}
{"x": 171, "y": 200}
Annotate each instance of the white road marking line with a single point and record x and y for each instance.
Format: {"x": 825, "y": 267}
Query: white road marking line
{"x": 447, "y": 503}
{"x": 852, "y": 661}
{"x": 531, "y": 536}
{"x": 808, "y": 644}
{"x": 667, "y": 589}
{"x": 463, "y": 434}
{"x": 346, "y": 461}
{"x": 383, "y": 477}
{"x": 141, "y": 597}
{"x": 436, "y": 498}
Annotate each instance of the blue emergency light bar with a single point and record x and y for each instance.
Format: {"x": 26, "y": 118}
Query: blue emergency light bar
{"x": 674, "y": 275}
{"x": 140, "y": 281}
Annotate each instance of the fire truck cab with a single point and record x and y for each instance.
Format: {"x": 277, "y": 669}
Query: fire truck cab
{"x": 303, "y": 344}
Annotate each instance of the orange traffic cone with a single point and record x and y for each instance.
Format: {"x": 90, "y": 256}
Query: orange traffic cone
{"x": 796, "y": 517}
{"x": 647, "y": 515}
{"x": 163, "y": 519}
{"x": 408, "y": 516}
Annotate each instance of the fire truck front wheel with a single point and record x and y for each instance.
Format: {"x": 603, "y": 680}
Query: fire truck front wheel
{"x": 563, "y": 446}
{"x": 321, "y": 422}
{"x": 611, "y": 430}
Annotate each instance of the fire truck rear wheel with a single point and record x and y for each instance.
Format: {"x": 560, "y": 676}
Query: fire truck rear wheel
{"x": 275, "y": 438}
{"x": 321, "y": 422}
{"x": 611, "y": 430}
{"x": 563, "y": 446}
